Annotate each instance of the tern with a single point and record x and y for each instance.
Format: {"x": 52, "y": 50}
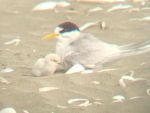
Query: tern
{"x": 46, "y": 66}
{"x": 75, "y": 47}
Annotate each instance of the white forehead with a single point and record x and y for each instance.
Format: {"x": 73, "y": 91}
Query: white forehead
{"x": 57, "y": 30}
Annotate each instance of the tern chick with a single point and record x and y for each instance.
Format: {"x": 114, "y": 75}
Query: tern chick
{"x": 46, "y": 66}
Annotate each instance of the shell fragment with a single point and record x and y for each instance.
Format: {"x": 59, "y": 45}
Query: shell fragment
{"x": 49, "y": 5}
{"x": 45, "y": 89}
{"x": 95, "y": 82}
{"x": 105, "y": 70}
{"x": 121, "y": 82}
{"x": 89, "y": 24}
{"x": 117, "y": 101}
{"x": 97, "y": 103}
{"x": 3, "y": 80}
{"x": 103, "y": 25}
{"x": 76, "y": 68}
{"x": 145, "y": 8}
{"x": 136, "y": 97}
{"x": 118, "y": 7}
{"x": 63, "y": 4}
{"x": 119, "y": 97}
{"x": 61, "y": 107}
{"x": 86, "y": 103}
{"x": 8, "y": 110}
{"x": 148, "y": 92}
{"x": 6, "y": 70}
{"x": 147, "y": 18}
{"x": 129, "y": 76}
{"x": 16, "y": 41}
{"x": 95, "y": 9}
{"x": 87, "y": 72}
{"x": 25, "y": 111}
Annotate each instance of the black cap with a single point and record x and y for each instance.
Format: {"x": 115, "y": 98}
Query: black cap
{"x": 68, "y": 27}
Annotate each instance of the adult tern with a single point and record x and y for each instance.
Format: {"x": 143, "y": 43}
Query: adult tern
{"x": 75, "y": 47}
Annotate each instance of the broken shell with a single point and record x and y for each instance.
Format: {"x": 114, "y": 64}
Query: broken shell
{"x": 89, "y": 24}
{"x": 76, "y": 68}
{"x": 86, "y": 103}
{"x": 6, "y": 70}
{"x": 61, "y": 107}
{"x": 117, "y": 101}
{"x": 9, "y": 42}
{"x": 87, "y": 72}
{"x": 148, "y": 92}
{"x": 25, "y": 111}
{"x": 49, "y": 5}
{"x": 119, "y": 97}
{"x": 103, "y": 25}
{"x": 105, "y": 70}
{"x": 121, "y": 82}
{"x": 45, "y": 89}
{"x": 63, "y": 4}
{"x": 16, "y": 41}
{"x": 141, "y": 79}
{"x": 135, "y": 10}
{"x": 118, "y": 7}
{"x": 136, "y": 97}
{"x": 127, "y": 77}
{"x": 8, "y": 110}
{"x": 145, "y": 8}
{"x": 97, "y": 103}
{"x": 147, "y": 18}
{"x": 3, "y": 80}
{"x": 130, "y": 73}
{"x": 143, "y": 63}
{"x": 95, "y": 82}
{"x": 75, "y": 100}
{"x": 95, "y": 9}
{"x": 34, "y": 50}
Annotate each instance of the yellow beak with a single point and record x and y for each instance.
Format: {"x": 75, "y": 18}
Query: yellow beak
{"x": 52, "y": 35}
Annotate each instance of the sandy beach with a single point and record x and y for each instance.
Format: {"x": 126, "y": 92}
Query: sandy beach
{"x": 22, "y": 92}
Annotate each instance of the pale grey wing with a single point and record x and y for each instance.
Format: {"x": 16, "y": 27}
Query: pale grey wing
{"x": 136, "y": 48}
{"x": 89, "y": 50}
{"x": 142, "y": 46}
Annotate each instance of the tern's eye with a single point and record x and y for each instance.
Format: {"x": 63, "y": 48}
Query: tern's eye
{"x": 63, "y": 30}
{"x": 55, "y": 61}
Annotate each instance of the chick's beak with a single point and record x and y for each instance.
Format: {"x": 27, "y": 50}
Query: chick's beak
{"x": 52, "y": 35}
{"x": 59, "y": 63}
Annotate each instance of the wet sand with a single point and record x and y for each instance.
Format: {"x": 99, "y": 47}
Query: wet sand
{"x": 22, "y": 93}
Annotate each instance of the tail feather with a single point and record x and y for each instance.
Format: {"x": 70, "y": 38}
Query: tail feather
{"x": 141, "y": 47}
